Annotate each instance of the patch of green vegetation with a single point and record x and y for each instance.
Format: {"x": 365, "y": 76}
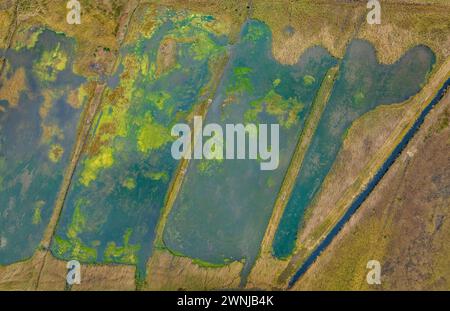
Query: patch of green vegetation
{"x": 254, "y": 32}
{"x": 147, "y": 68}
{"x": 204, "y": 47}
{"x": 285, "y": 110}
{"x": 321, "y": 229}
{"x": 164, "y": 176}
{"x": 152, "y": 135}
{"x": 55, "y": 153}
{"x": 358, "y": 98}
{"x": 113, "y": 122}
{"x": 308, "y": 80}
{"x": 345, "y": 134}
{"x": 159, "y": 99}
{"x": 37, "y": 212}
{"x": 83, "y": 252}
{"x": 77, "y": 97}
{"x": 240, "y": 82}
{"x": 73, "y": 247}
{"x": 93, "y": 165}
{"x": 443, "y": 121}
{"x": 61, "y": 246}
{"x": 50, "y": 64}
{"x": 129, "y": 183}
{"x": 30, "y": 41}
{"x": 209, "y": 167}
{"x": 82, "y": 95}
{"x": 78, "y": 222}
{"x": 132, "y": 111}
{"x": 122, "y": 254}
{"x": 205, "y": 264}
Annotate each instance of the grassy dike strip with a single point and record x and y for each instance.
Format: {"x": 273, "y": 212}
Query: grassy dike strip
{"x": 195, "y": 274}
{"x": 42, "y": 271}
{"x": 83, "y": 134}
{"x": 182, "y": 168}
{"x": 397, "y": 225}
{"x": 9, "y": 15}
{"x": 311, "y": 123}
{"x": 416, "y": 105}
{"x": 167, "y": 270}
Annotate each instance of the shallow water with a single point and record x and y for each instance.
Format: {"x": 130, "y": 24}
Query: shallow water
{"x": 370, "y": 186}
{"x": 29, "y": 179}
{"x": 223, "y": 207}
{"x": 362, "y": 85}
{"x": 119, "y": 187}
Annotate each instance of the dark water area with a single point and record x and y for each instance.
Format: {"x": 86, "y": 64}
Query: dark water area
{"x": 29, "y": 179}
{"x": 362, "y": 85}
{"x": 359, "y": 200}
{"x": 120, "y": 184}
{"x": 223, "y": 207}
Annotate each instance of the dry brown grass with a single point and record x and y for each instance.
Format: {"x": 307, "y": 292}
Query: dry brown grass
{"x": 403, "y": 224}
{"x": 31, "y": 274}
{"x": 21, "y": 275}
{"x": 106, "y": 278}
{"x": 326, "y": 23}
{"x": 332, "y": 24}
{"x": 169, "y": 272}
{"x": 6, "y": 18}
{"x": 12, "y": 87}
{"x": 97, "y": 29}
{"x": 404, "y": 26}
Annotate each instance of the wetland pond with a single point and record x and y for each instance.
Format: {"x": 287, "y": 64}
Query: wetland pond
{"x": 121, "y": 181}
{"x": 40, "y": 104}
{"x": 120, "y": 184}
{"x": 223, "y": 207}
{"x": 362, "y": 84}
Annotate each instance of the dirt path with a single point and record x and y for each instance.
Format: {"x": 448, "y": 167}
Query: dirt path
{"x": 424, "y": 98}
{"x": 84, "y": 130}
{"x": 297, "y": 158}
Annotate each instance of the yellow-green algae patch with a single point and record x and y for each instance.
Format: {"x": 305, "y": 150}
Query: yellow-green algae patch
{"x": 50, "y": 64}
{"x": 55, "y": 153}
{"x": 164, "y": 75}
{"x": 37, "y": 218}
{"x": 152, "y": 135}
{"x": 122, "y": 254}
{"x": 285, "y": 110}
{"x": 73, "y": 246}
{"x": 37, "y": 124}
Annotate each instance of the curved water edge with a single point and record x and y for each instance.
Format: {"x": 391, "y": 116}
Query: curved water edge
{"x": 362, "y": 85}
{"x": 37, "y": 130}
{"x": 119, "y": 187}
{"x": 370, "y": 186}
{"x": 238, "y": 204}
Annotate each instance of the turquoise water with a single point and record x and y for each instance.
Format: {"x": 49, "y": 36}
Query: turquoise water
{"x": 110, "y": 215}
{"x": 29, "y": 180}
{"x": 362, "y": 85}
{"x": 223, "y": 207}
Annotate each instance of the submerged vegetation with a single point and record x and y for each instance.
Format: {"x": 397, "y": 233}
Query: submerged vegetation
{"x": 37, "y": 125}
{"x": 151, "y": 65}
{"x": 163, "y": 76}
{"x": 361, "y": 85}
{"x": 228, "y": 223}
